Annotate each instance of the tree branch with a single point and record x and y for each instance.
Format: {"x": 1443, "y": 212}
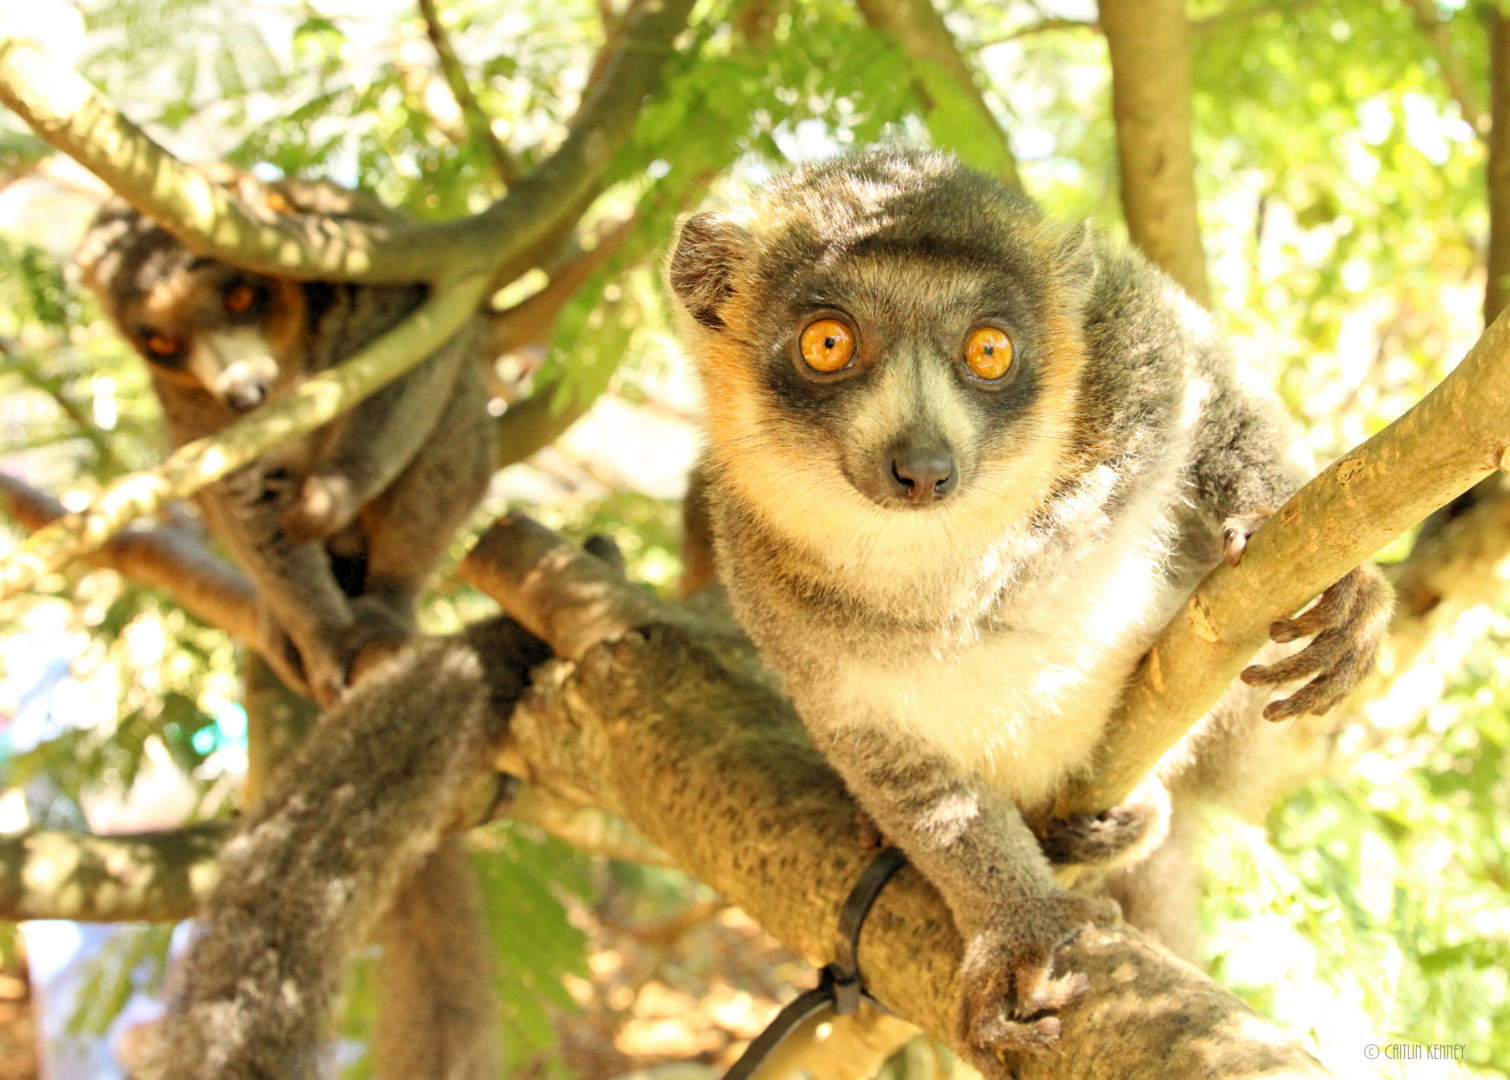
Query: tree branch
{"x": 477, "y": 120}
{"x": 1149, "y": 46}
{"x": 203, "y": 461}
{"x": 959, "y": 117}
{"x": 62, "y": 875}
{"x": 167, "y": 557}
{"x": 655, "y": 723}
{"x": 1497, "y": 182}
{"x": 501, "y": 241}
{"x": 1451, "y": 439}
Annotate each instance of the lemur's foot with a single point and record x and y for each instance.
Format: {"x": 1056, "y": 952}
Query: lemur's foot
{"x": 1346, "y": 624}
{"x": 323, "y": 506}
{"x": 1098, "y": 839}
{"x": 1009, "y": 993}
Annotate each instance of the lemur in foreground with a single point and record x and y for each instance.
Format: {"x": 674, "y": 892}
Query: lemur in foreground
{"x": 963, "y": 463}
{"x": 339, "y": 528}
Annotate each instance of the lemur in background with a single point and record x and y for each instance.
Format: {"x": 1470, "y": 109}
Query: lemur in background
{"x": 962, "y": 466}
{"x": 339, "y": 528}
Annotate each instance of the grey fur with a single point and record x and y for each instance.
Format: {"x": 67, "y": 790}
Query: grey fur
{"x": 957, "y": 662}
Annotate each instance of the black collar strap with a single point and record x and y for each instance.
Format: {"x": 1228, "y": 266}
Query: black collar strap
{"x": 840, "y": 988}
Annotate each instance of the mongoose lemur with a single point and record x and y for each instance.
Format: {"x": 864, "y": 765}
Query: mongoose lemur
{"x": 339, "y": 528}
{"x": 963, "y": 463}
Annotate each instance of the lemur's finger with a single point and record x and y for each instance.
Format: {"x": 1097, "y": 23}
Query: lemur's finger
{"x": 1236, "y": 530}
{"x": 1332, "y": 609}
{"x": 1348, "y": 622}
{"x": 567, "y": 597}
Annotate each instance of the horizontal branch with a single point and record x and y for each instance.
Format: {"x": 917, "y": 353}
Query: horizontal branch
{"x": 657, "y": 723}
{"x": 1446, "y": 443}
{"x": 150, "y": 877}
{"x": 193, "y": 466}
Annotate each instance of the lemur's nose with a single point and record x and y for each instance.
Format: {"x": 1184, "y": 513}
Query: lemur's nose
{"x": 923, "y": 474}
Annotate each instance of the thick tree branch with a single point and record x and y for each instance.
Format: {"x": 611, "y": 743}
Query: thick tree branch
{"x": 1497, "y": 285}
{"x": 197, "y": 464}
{"x": 713, "y": 767}
{"x": 959, "y": 117}
{"x": 501, "y": 241}
{"x": 1451, "y": 439}
{"x": 478, "y": 122}
{"x": 1149, "y": 46}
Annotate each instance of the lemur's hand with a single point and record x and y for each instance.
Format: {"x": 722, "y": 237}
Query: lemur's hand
{"x": 323, "y": 507}
{"x": 1008, "y": 990}
{"x": 1347, "y": 624}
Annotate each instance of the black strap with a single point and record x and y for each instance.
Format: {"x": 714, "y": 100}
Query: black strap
{"x": 840, "y": 989}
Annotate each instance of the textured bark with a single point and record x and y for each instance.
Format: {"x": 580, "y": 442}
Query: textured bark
{"x": 1149, "y": 45}
{"x": 1497, "y": 288}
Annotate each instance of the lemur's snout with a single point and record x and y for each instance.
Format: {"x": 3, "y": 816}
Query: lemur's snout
{"x": 923, "y": 474}
{"x": 246, "y": 396}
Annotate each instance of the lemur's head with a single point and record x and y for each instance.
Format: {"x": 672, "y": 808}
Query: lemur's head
{"x": 888, "y": 343}
{"x": 196, "y": 321}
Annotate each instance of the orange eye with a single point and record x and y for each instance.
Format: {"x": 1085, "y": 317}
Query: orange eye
{"x": 988, "y": 351}
{"x": 164, "y": 346}
{"x": 827, "y": 345}
{"x": 240, "y": 299}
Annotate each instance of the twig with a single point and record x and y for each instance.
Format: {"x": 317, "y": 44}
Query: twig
{"x": 1459, "y": 85}
{"x": 167, "y": 557}
{"x": 476, "y": 119}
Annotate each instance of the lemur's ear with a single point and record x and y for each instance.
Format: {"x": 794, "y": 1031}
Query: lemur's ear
{"x": 1077, "y": 264}
{"x": 701, "y": 272}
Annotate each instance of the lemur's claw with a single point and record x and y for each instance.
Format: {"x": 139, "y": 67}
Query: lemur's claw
{"x": 1009, "y": 993}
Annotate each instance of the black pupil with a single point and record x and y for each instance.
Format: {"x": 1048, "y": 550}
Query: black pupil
{"x": 830, "y": 341}
{"x": 990, "y": 348}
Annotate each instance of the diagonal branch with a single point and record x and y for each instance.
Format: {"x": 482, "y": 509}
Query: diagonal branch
{"x": 1454, "y": 74}
{"x": 193, "y": 466}
{"x": 1453, "y": 438}
{"x": 501, "y": 241}
{"x": 166, "y": 557}
{"x": 961, "y": 120}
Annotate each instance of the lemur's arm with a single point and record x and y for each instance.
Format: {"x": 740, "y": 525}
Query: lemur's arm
{"x": 973, "y": 845}
{"x": 306, "y": 617}
{"x": 376, "y": 442}
{"x": 1242, "y": 472}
